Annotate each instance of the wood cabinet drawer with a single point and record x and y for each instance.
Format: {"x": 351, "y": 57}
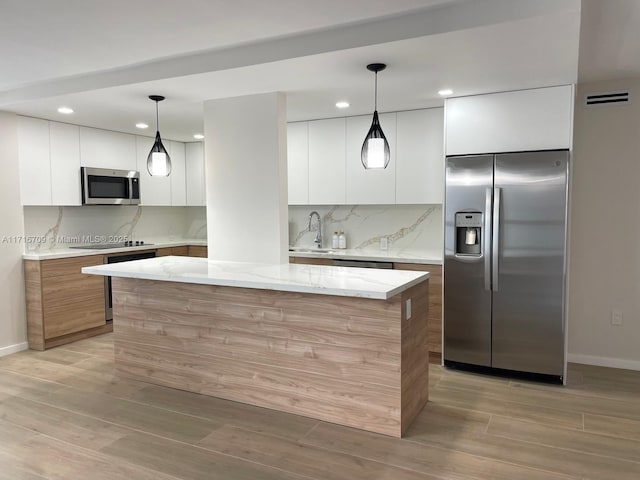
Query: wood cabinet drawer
{"x": 198, "y": 251}
{"x": 181, "y": 251}
{"x": 68, "y": 266}
{"x": 311, "y": 261}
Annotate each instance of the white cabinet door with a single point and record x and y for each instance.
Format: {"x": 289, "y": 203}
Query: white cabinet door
{"x": 420, "y": 160}
{"x": 298, "y": 162}
{"x": 524, "y": 120}
{"x": 370, "y": 186}
{"x": 153, "y": 190}
{"x": 178, "y": 173}
{"x": 195, "y": 174}
{"x": 106, "y": 149}
{"x": 34, "y": 161}
{"x": 65, "y": 164}
{"x": 327, "y": 177}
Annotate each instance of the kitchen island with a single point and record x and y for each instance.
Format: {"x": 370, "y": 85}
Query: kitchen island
{"x": 343, "y": 345}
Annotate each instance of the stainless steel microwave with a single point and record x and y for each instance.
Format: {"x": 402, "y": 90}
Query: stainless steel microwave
{"x": 104, "y": 186}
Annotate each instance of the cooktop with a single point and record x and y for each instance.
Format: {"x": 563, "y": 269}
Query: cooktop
{"x": 102, "y": 246}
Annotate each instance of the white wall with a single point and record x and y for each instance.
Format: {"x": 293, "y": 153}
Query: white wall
{"x": 246, "y": 171}
{"x": 13, "y": 329}
{"x": 605, "y": 230}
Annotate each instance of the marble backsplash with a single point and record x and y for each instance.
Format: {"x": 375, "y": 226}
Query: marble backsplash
{"x": 48, "y": 228}
{"x": 411, "y": 229}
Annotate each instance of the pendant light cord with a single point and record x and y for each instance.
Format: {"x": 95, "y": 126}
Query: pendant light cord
{"x": 375, "y": 101}
{"x": 157, "y": 121}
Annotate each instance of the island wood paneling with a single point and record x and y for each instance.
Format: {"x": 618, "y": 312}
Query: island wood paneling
{"x": 415, "y": 353}
{"x": 435, "y": 304}
{"x": 63, "y": 304}
{"x": 347, "y": 360}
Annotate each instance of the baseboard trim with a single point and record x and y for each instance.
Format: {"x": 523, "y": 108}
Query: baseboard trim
{"x": 18, "y": 347}
{"x": 604, "y": 361}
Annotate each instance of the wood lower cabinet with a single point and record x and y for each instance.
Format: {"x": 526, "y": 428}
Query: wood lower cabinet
{"x": 435, "y": 305}
{"x": 198, "y": 251}
{"x": 63, "y": 304}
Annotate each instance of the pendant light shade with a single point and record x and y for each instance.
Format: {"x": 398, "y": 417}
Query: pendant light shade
{"x": 158, "y": 160}
{"x": 375, "y": 153}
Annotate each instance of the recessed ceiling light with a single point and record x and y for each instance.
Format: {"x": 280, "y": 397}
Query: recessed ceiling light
{"x": 342, "y": 104}
{"x": 142, "y": 125}
{"x": 65, "y": 110}
{"x": 445, "y": 92}
{"x": 198, "y": 136}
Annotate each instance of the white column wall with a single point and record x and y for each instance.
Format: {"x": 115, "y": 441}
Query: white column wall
{"x": 246, "y": 178}
{"x": 604, "y": 273}
{"x": 13, "y": 328}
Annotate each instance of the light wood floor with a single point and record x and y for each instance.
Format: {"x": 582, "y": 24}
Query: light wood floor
{"x": 63, "y": 415}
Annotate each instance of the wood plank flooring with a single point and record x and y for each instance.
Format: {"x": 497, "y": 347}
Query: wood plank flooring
{"x": 64, "y": 415}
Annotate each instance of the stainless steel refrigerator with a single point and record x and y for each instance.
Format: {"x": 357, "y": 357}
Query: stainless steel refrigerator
{"x": 505, "y": 262}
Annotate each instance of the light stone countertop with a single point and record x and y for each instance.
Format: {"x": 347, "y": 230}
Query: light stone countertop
{"x": 75, "y": 252}
{"x": 317, "y": 279}
{"x": 430, "y": 258}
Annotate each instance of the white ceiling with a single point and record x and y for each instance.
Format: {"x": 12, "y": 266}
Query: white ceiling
{"x": 44, "y": 39}
{"x": 471, "y": 46}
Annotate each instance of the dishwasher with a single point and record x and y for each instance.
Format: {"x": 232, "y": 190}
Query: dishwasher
{"x": 126, "y": 257}
{"x": 337, "y": 262}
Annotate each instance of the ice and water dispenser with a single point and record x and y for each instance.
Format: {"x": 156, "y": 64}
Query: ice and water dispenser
{"x": 468, "y": 233}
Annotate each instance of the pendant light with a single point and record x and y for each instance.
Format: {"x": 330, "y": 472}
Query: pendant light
{"x": 158, "y": 161}
{"x": 375, "y": 153}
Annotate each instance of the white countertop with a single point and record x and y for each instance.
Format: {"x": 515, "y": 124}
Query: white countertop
{"x": 317, "y": 279}
{"x": 76, "y": 252}
{"x": 431, "y": 258}
{"x": 399, "y": 256}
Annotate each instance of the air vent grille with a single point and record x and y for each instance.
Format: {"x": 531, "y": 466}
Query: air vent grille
{"x": 611, "y": 98}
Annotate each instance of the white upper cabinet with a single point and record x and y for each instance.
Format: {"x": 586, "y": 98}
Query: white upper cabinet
{"x": 195, "y": 174}
{"x": 420, "y": 157}
{"x": 327, "y": 176}
{"x": 539, "y": 119}
{"x": 335, "y": 175}
{"x": 370, "y": 186}
{"x": 34, "y": 161}
{"x": 65, "y": 164}
{"x": 153, "y": 190}
{"x": 106, "y": 149}
{"x": 178, "y": 173}
{"x": 298, "y": 162}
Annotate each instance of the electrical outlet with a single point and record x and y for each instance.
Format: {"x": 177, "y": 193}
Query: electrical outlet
{"x": 616, "y": 317}
{"x": 408, "y": 308}
{"x": 384, "y": 243}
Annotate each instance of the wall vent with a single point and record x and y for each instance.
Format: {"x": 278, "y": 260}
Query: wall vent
{"x": 610, "y": 98}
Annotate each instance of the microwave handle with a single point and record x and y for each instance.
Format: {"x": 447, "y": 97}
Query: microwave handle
{"x": 134, "y": 189}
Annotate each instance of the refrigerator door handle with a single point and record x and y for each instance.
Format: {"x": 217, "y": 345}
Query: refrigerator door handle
{"x": 486, "y": 240}
{"x": 497, "y": 193}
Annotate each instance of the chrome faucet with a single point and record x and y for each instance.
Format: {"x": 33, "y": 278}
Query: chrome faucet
{"x": 318, "y": 239}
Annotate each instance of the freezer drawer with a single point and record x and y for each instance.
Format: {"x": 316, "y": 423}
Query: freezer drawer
{"x": 467, "y": 293}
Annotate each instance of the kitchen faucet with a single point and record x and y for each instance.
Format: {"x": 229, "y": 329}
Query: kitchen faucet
{"x": 318, "y": 239}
